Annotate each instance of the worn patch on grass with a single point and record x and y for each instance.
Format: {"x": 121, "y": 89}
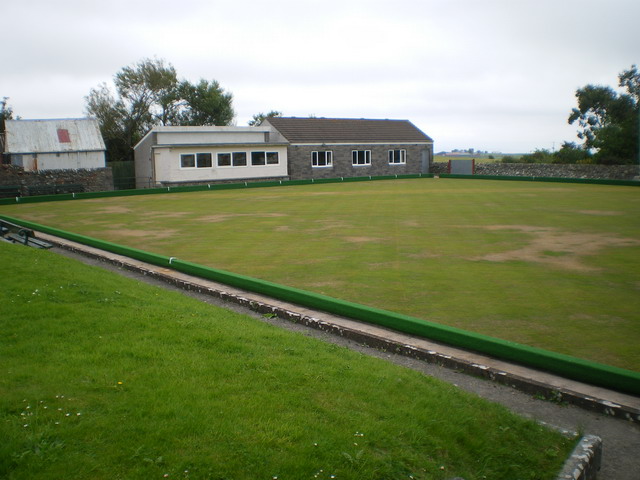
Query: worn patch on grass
{"x": 423, "y": 254}
{"x": 602, "y": 213}
{"x": 556, "y": 247}
{"x": 323, "y": 225}
{"x": 332, "y": 284}
{"x": 166, "y": 214}
{"x": 361, "y": 239}
{"x": 411, "y": 223}
{"x": 226, "y": 216}
{"x": 155, "y": 234}
{"x": 113, "y": 209}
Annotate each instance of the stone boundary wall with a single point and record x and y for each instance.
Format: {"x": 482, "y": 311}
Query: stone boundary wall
{"x": 93, "y": 180}
{"x": 609, "y": 172}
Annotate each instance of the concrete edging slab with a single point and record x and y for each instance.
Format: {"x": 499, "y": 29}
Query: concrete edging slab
{"x": 584, "y": 461}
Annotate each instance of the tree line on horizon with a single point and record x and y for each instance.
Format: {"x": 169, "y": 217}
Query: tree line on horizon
{"x": 608, "y": 124}
{"x": 149, "y": 93}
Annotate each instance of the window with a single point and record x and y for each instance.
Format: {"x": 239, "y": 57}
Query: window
{"x": 239, "y": 159}
{"x": 236, "y": 159}
{"x": 203, "y": 160}
{"x": 195, "y": 160}
{"x": 361, "y": 157}
{"x": 265, "y": 158}
{"x": 322, "y": 159}
{"x": 188, "y": 160}
{"x": 224, "y": 159}
{"x": 397, "y": 157}
{"x": 272, "y": 158}
{"x": 258, "y": 158}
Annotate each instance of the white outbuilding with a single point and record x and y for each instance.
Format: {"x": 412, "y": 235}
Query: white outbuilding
{"x": 62, "y": 144}
{"x": 173, "y": 155}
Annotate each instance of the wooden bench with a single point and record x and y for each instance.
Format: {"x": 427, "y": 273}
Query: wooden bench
{"x": 8, "y": 191}
{"x": 13, "y": 233}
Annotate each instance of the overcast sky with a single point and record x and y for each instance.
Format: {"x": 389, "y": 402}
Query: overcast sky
{"x": 496, "y": 75}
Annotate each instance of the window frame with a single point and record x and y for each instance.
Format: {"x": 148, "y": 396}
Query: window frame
{"x": 196, "y": 160}
{"x": 183, "y": 157}
{"x": 258, "y": 156}
{"x": 355, "y": 158}
{"x": 208, "y": 164}
{"x": 264, "y": 158}
{"x": 270, "y": 156}
{"x": 235, "y": 155}
{"x": 228, "y": 155}
{"x": 328, "y": 158}
{"x": 235, "y": 159}
{"x": 400, "y": 152}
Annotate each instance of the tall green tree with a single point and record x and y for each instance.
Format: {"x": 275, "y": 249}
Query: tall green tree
{"x": 117, "y": 127}
{"x": 608, "y": 120}
{"x": 147, "y": 94}
{"x": 204, "y": 103}
{"x": 6, "y": 113}
{"x": 149, "y": 90}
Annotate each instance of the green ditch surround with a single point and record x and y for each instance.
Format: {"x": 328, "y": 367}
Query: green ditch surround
{"x": 593, "y": 181}
{"x": 578, "y": 369}
{"x": 197, "y": 188}
{"x": 232, "y": 186}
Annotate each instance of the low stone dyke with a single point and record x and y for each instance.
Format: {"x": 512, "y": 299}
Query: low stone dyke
{"x": 92, "y": 180}
{"x": 608, "y": 172}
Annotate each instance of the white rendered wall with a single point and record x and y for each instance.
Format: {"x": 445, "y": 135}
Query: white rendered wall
{"x": 168, "y": 169}
{"x": 63, "y": 161}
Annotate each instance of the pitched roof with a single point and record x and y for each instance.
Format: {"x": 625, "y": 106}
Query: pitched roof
{"x": 49, "y": 136}
{"x": 347, "y": 130}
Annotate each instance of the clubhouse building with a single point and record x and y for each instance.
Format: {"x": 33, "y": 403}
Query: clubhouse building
{"x": 281, "y": 148}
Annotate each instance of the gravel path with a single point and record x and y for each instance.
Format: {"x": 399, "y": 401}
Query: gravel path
{"x": 621, "y": 439}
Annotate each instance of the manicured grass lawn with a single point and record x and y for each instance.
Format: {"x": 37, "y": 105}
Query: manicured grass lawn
{"x": 550, "y": 265}
{"x": 103, "y": 377}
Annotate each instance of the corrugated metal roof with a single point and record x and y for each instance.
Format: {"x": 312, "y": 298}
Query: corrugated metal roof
{"x": 347, "y": 130}
{"x": 48, "y": 136}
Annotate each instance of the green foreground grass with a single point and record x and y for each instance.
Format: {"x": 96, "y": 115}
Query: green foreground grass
{"x": 555, "y": 266}
{"x": 104, "y": 377}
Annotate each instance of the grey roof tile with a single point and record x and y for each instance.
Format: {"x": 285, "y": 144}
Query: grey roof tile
{"x": 347, "y": 130}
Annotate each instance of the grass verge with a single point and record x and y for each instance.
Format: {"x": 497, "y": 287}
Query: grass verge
{"x": 103, "y": 377}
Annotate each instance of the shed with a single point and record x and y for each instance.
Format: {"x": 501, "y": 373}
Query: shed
{"x": 62, "y": 144}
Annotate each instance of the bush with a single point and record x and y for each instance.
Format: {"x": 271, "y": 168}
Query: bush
{"x": 539, "y": 156}
{"x": 611, "y": 159}
{"x": 571, "y": 153}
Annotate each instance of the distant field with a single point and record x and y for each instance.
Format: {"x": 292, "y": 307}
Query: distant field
{"x": 549, "y": 265}
{"x": 483, "y": 158}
